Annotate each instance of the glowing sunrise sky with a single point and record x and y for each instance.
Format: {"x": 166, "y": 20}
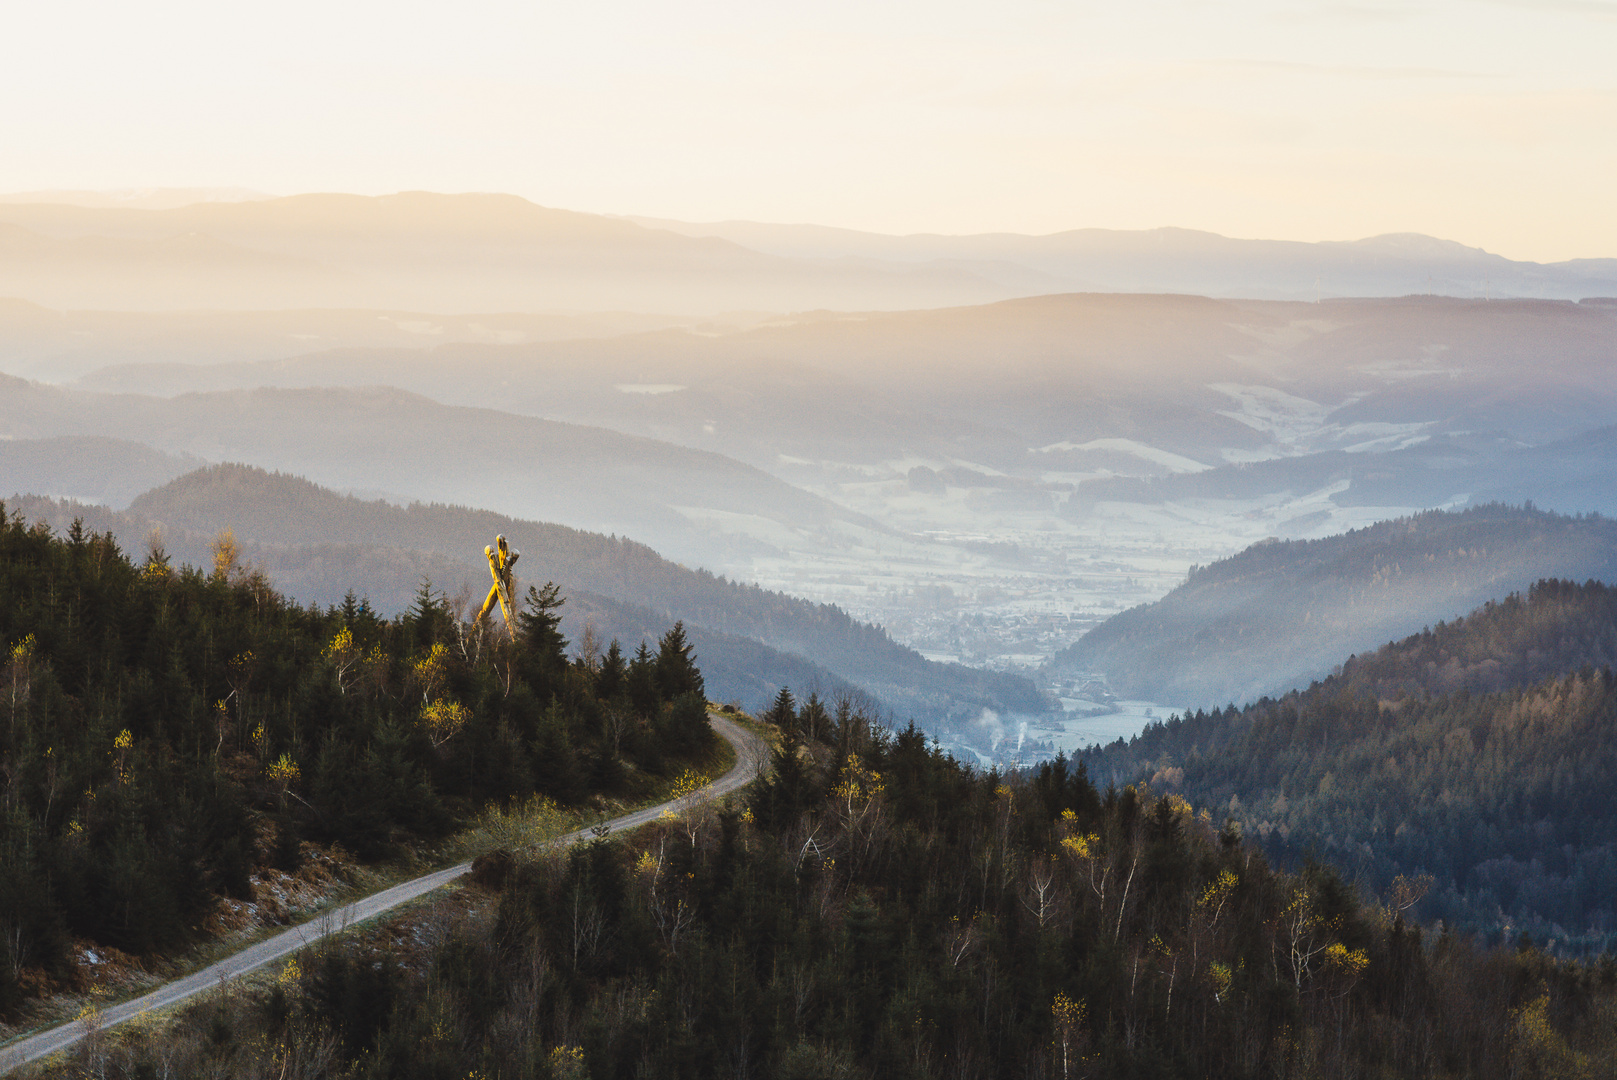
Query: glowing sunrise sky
{"x": 1492, "y": 123}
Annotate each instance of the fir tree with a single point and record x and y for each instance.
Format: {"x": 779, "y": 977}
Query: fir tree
{"x": 612, "y": 679}
{"x": 677, "y": 673}
{"x": 783, "y": 713}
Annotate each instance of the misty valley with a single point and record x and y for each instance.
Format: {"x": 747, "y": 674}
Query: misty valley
{"x": 986, "y": 483}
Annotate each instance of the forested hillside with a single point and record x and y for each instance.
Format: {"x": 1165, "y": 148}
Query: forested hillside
{"x": 1278, "y": 615}
{"x": 877, "y": 910}
{"x": 1479, "y": 752}
{"x": 166, "y": 730}
{"x": 316, "y": 544}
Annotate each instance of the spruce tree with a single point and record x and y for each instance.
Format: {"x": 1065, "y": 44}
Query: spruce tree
{"x": 613, "y": 677}
{"x": 783, "y": 713}
{"x": 643, "y": 682}
{"x": 544, "y": 649}
{"x": 677, "y": 673}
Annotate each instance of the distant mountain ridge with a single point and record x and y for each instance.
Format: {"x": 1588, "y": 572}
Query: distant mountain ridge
{"x": 422, "y": 251}
{"x": 1192, "y": 261}
{"x": 383, "y": 439}
{"x": 1281, "y": 614}
{"x": 452, "y": 253}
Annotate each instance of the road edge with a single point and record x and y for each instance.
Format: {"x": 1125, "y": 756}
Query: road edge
{"x": 751, "y": 753}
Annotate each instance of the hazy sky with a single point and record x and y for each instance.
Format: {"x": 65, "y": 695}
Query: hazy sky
{"x": 1492, "y": 122}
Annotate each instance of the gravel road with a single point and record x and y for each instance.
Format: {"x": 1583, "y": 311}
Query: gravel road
{"x": 750, "y": 755}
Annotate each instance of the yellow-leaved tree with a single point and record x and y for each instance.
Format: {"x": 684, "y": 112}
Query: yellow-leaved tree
{"x": 226, "y": 556}
{"x": 443, "y": 719}
{"x": 343, "y": 654}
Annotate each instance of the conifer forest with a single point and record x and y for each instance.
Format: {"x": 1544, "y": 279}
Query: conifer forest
{"x": 170, "y": 729}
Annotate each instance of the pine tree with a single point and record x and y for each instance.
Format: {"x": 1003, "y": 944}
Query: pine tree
{"x": 544, "y": 649}
{"x": 613, "y": 677}
{"x": 677, "y": 673}
{"x": 643, "y": 682}
{"x": 813, "y": 720}
{"x": 684, "y": 728}
{"x": 783, "y": 713}
{"x": 428, "y": 617}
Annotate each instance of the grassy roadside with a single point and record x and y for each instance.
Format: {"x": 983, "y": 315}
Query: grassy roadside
{"x": 526, "y": 825}
{"x": 766, "y": 731}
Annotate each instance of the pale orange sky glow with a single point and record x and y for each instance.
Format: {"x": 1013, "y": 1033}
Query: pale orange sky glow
{"x": 1491, "y": 123}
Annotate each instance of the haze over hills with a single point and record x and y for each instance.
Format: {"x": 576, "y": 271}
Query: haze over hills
{"x": 1280, "y": 615}
{"x": 388, "y": 440}
{"x": 1176, "y": 260}
{"x": 1577, "y": 474}
{"x": 58, "y": 346}
{"x": 987, "y": 481}
{"x": 420, "y": 251}
{"x": 1042, "y": 463}
{"x": 1207, "y": 380}
{"x": 90, "y": 469}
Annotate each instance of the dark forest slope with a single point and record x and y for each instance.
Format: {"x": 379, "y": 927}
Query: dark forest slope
{"x": 1480, "y": 751}
{"x": 877, "y": 909}
{"x": 1278, "y": 615}
{"x": 167, "y": 734}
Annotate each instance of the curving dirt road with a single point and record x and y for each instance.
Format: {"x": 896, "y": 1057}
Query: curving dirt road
{"x": 751, "y": 752}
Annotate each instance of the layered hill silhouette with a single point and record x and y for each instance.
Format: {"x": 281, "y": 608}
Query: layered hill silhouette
{"x": 1067, "y": 391}
{"x": 1282, "y": 614}
{"x": 1190, "y": 261}
{"x": 315, "y": 545}
{"x": 424, "y": 252}
{"x": 1210, "y": 423}
{"x": 478, "y": 252}
{"x": 689, "y": 503}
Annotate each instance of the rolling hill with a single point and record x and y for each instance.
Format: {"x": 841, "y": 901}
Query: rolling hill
{"x": 1281, "y": 614}
{"x": 88, "y": 468}
{"x": 1477, "y": 751}
{"x": 690, "y": 503}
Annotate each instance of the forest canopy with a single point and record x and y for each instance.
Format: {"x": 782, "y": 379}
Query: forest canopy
{"x": 876, "y": 909}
